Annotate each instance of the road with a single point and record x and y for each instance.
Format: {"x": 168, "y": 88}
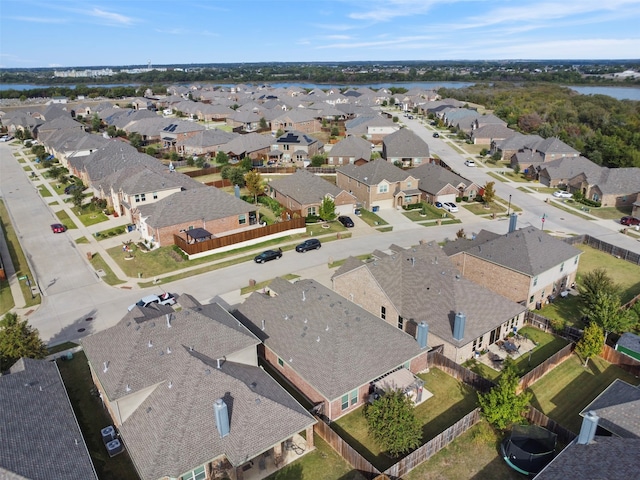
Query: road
{"x": 75, "y": 302}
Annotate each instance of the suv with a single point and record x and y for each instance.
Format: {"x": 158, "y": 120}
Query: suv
{"x": 629, "y": 221}
{"x": 310, "y": 244}
{"x": 268, "y": 255}
{"x": 346, "y": 221}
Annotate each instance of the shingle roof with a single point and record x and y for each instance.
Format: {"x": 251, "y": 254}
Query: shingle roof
{"x": 246, "y": 144}
{"x": 619, "y": 409}
{"x": 41, "y": 439}
{"x": 374, "y": 172}
{"x": 334, "y": 344}
{"x": 433, "y": 178}
{"x": 171, "y": 429}
{"x": 569, "y": 167}
{"x": 527, "y": 250}
{"x": 351, "y": 146}
{"x": 305, "y": 188}
{"x": 493, "y": 131}
{"x": 405, "y": 143}
{"x": 424, "y": 285}
{"x": 631, "y": 341}
{"x": 616, "y": 180}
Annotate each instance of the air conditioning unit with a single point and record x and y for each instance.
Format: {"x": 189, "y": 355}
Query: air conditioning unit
{"x": 108, "y": 434}
{"x": 114, "y": 447}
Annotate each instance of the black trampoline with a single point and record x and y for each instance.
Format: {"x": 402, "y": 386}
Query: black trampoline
{"x": 529, "y": 448}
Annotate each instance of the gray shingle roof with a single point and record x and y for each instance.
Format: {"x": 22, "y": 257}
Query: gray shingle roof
{"x": 334, "y": 344}
{"x": 569, "y": 167}
{"x": 41, "y": 439}
{"x": 351, "y": 146}
{"x": 619, "y": 409}
{"x": 404, "y": 143}
{"x": 433, "y": 178}
{"x": 305, "y": 188}
{"x": 424, "y": 285}
{"x": 374, "y": 172}
{"x": 622, "y": 181}
{"x": 631, "y": 341}
{"x": 172, "y": 428}
{"x": 527, "y": 250}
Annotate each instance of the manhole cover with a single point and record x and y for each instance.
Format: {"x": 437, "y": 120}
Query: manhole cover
{"x": 88, "y": 319}
{"x": 81, "y": 330}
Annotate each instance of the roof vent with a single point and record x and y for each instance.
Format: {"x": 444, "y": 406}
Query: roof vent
{"x": 105, "y": 366}
{"x": 262, "y": 325}
{"x": 303, "y": 296}
{"x": 150, "y": 344}
{"x": 168, "y": 350}
{"x": 170, "y": 384}
{"x": 127, "y": 388}
{"x": 318, "y": 339}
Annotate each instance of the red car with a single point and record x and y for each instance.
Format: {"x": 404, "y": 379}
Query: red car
{"x": 629, "y": 221}
{"x": 58, "y": 228}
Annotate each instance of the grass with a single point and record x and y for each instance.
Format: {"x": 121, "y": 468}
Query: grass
{"x": 479, "y": 208}
{"x": 92, "y": 217}
{"x": 6, "y": 299}
{"x": 371, "y": 218}
{"x": 456, "y": 462}
{"x": 66, "y": 220}
{"x": 572, "y": 210}
{"x": 19, "y": 261}
{"x": 98, "y": 263}
{"x": 44, "y": 191}
{"x": 61, "y": 347}
{"x": 92, "y": 417}
{"x": 567, "y": 389}
{"x": 609, "y": 213}
{"x": 450, "y": 402}
{"x": 110, "y": 232}
{"x": 82, "y": 240}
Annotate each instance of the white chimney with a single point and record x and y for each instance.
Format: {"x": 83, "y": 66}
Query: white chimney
{"x": 588, "y": 428}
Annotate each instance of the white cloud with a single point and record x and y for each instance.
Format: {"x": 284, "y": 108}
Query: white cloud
{"x": 112, "y": 18}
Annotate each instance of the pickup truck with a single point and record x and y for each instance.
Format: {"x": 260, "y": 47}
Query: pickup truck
{"x": 163, "y": 299}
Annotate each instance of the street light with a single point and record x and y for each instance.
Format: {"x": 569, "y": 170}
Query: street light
{"x": 509, "y": 207}
{"x": 544, "y": 216}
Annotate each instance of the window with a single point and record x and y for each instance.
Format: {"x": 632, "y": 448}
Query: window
{"x": 242, "y": 219}
{"x": 531, "y": 299}
{"x": 535, "y": 281}
{"x": 345, "y": 401}
{"x": 400, "y": 322}
{"x": 354, "y": 397}
{"x": 311, "y": 211}
{"x": 480, "y": 340}
{"x": 408, "y": 184}
{"x": 155, "y": 195}
{"x": 383, "y": 313}
{"x": 140, "y": 198}
{"x": 280, "y": 362}
{"x": 197, "y": 474}
{"x": 383, "y": 188}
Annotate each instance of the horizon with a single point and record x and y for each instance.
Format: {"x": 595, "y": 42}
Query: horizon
{"x": 71, "y": 34}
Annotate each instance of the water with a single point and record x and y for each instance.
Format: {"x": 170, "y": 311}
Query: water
{"x": 619, "y": 93}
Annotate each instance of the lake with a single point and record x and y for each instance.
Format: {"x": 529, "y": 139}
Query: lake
{"x": 620, "y": 93}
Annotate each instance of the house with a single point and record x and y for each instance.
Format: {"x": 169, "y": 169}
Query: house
{"x": 612, "y": 187}
{"x": 437, "y": 184}
{"x": 329, "y": 348}
{"x": 405, "y": 287}
{"x": 303, "y": 191}
{"x": 526, "y": 265}
{"x": 252, "y": 145}
{"x": 547, "y": 150}
{"x": 489, "y": 133}
{"x": 213, "y": 210}
{"x": 186, "y": 394}
{"x": 405, "y": 148}
{"x": 299, "y": 120}
{"x": 557, "y": 173}
{"x": 629, "y": 344}
{"x": 373, "y": 127}
{"x": 379, "y": 184}
{"x": 511, "y": 145}
{"x": 204, "y": 142}
{"x": 351, "y": 149}
{"x": 41, "y": 436}
{"x": 297, "y": 147}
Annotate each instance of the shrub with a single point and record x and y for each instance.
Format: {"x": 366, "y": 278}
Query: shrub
{"x": 458, "y": 199}
{"x": 465, "y": 199}
{"x": 312, "y": 219}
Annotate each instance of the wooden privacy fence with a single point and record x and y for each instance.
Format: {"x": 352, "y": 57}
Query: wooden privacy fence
{"x": 464, "y": 375}
{"x": 345, "y": 450}
{"x": 226, "y": 240}
{"x": 536, "y": 417}
{"x": 617, "y": 252}
{"x": 549, "y": 364}
{"x": 621, "y": 360}
{"x": 433, "y": 446}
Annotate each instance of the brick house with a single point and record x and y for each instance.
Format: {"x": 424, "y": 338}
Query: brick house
{"x": 437, "y": 184}
{"x": 558, "y": 172}
{"x": 405, "y": 287}
{"x": 379, "y": 184}
{"x": 350, "y": 150}
{"x": 297, "y": 147}
{"x": 305, "y": 192}
{"x": 186, "y": 394}
{"x": 374, "y": 127}
{"x": 299, "y": 120}
{"x": 329, "y": 348}
{"x": 527, "y": 265}
{"x": 213, "y": 210}
{"x": 406, "y": 148}
{"x": 612, "y": 187}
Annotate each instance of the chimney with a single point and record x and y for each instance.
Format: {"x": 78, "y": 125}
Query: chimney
{"x": 513, "y": 220}
{"x": 588, "y": 428}
{"x": 458, "y": 326}
{"x": 423, "y": 333}
{"x": 222, "y": 417}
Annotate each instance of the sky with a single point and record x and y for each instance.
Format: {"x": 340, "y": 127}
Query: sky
{"x": 85, "y": 33}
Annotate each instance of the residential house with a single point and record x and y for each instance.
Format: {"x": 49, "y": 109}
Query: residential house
{"x": 373, "y": 127}
{"x": 296, "y": 147}
{"x": 511, "y": 145}
{"x": 186, "y": 394}
{"x": 547, "y": 150}
{"x": 213, "y": 210}
{"x": 487, "y": 134}
{"x": 350, "y": 150}
{"x": 245, "y": 120}
{"x": 41, "y": 436}
{"x": 405, "y": 287}
{"x": 328, "y": 348}
{"x": 303, "y": 121}
{"x": 65, "y": 144}
{"x": 612, "y": 187}
{"x": 527, "y": 265}
{"x": 252, "y": 145}
{"x": 204, "y": 142}
{"x": 305, "y": 192}
{"x": 379, "y": 184}
{"x": 557, "y": 173}
{"x": 177, "y": 131}
{"x": 437, "y": 184}
{"x": 406, "y": 148}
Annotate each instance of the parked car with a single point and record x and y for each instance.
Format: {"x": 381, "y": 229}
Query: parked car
{"x": 58, "y": 228}
{"x": 6, "y": 138}
{"x": 470, "y": 163}
{"x": 268, "y": 255}
{"x": 450, "y": 207}
{"x": 629, "y": 221}
{"x": 163, "y": 299}
{"x": 346, "y": 221}
{"x": 562, "y": 194}
{"x": 69, "y": 189}
{"x": 309, "y": 244}
{"x": 436, "y": 135}
{"x": 439, "y": 205}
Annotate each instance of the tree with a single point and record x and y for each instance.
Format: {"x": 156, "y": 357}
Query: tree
{"x": 489, "y": 194}
{"x": 327, "y": 211}
{"x": 317, "y": 160}
{"x": 222, "y": 158}
{"x": 263, "y": 123}
{"x": 608, "y": 314}
{"x": 591, "y": 342}
{"x": 501, "y": 406}
{"x": 279, "y": 133}
{"x": 594, "y": 282}
{"x": 234, "y": 174}
{"x": 77, "y": 197}
{"x": 253, "y": 182}
{"x": 135, "y": 139}
{"x": 111, "y": 131}
{"x": 392, "y": 423}
{"x": 18, "y": 339}
{"x": 96, "y": 123}
{"x": 335, "y": 131}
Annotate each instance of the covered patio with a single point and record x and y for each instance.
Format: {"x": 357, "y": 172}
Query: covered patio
{"x": 269, "y": 462}
{"x": 514, "y": 347}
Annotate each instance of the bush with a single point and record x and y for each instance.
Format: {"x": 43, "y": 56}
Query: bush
{"x": 412, "y": 206}
{"x": 458, "y": 199}
{"x": 465, "y": 199}
{"x": 312, "y": 219}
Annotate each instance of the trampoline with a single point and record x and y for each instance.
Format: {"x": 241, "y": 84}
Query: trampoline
{"x": 529, "y": 448}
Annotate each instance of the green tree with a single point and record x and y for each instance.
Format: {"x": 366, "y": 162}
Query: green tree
{"x": 96, "y": 123}
{"x": 608, "y": 314}
{"x": 263, "y": 123}
{"x": 135, "y": 139}
{"x": 501, "y": 406}
{"x": 279, "y": 133}
{"x": 594, "y": 282}
{"x": 222, "y": 158}
{"x": 327, "y": 210}
{"x": 234, "y": 174}
{"x": 392, "y": 423}
{"x": 489, "y": 194}
{"x": 77, "y": 197}
{"x": 111, "y": 131}
{"x": 335, "y": 131}
{"x": 591, "y": 342}
{"x": 317, "y": 160}
{"x": 253, "y": 182}
{"x": 151, "y": 151}
{"x": 18, "y": 339}
{"x": 484, "y": 152}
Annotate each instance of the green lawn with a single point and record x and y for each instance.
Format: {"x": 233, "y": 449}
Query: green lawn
{"x": 98, "y": 263}
{"x": 479, "y": 208}
{"x": 563, "y": 392}
{"x": 82, "y": 240}
{"x": 473, "y": 455}
{"x": 610, "y": 213}
{"x": 371, "y": 218}
{"x": 417, "y": 216}
{"x": 65, "y": 219}
{"x": 91, "y": 218}
{"x": 44, "y": 191}
{"x": 451, "y": 401}
{"x": 571, "y": 210}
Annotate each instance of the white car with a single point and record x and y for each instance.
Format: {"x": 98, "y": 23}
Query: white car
{"x": 450, "y": 207}
{"x": 562, "y": 194}
{"x": 470, "y": 163}
{"x": 164, "y": 299}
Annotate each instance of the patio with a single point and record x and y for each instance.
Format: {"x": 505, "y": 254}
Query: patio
{"x": 513, "y": 347}
{"x": 266, "y": 464}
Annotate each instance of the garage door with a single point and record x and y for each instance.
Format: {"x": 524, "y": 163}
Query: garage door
{"x": 383, "y": 204}
{"x": 446, "y": 198}
{"x": 344, "y": 209}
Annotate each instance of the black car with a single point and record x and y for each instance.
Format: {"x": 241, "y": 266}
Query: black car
{"x": 310, "y": 244}
{"x": 346, "y": 221}
{"x": 69, "y": 189}
{"x": 268, "y": 255}
{"x": 436, "y": 135}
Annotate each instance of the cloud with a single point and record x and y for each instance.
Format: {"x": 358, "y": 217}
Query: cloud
{"x": 39, "y": 20}
{"x": 384, "y": 11}
{"x": 110, "y": 17}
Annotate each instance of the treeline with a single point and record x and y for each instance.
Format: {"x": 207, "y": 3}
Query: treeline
{"x": 603, "y": 129}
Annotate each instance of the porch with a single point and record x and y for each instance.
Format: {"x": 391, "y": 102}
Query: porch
{"x": 270, "y": 461}
{"x": 513, "y": 347}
